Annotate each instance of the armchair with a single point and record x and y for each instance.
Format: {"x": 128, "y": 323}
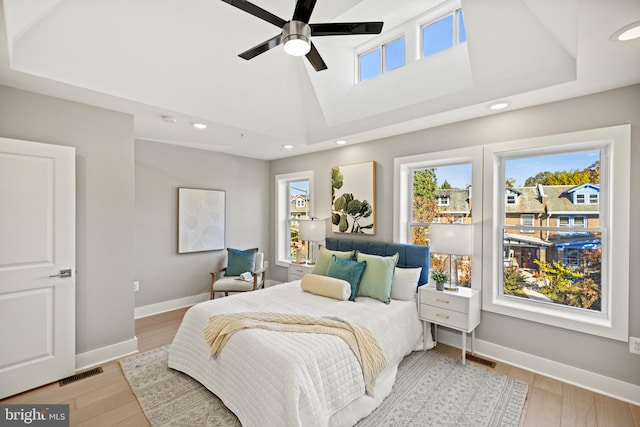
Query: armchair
{"x": 221, "y": 282}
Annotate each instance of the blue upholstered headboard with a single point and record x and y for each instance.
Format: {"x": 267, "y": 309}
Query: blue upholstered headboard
{"x": 411, "y": 256}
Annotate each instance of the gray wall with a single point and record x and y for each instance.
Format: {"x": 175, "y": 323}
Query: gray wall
{"x": 104, "y": 204}
{"x": 603, "y": 356}
{"x": 160, "y": 169}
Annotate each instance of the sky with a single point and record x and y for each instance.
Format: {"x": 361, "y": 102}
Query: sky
{"x": 520, "y": 169}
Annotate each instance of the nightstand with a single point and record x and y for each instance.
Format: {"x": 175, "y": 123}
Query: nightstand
{"x": 296, "y": 271}
{"x": 459, "y": 310}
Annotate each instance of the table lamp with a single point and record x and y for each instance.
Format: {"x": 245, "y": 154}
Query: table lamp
{"x": 451, "y": 239}
{"x": 312, "y": 230}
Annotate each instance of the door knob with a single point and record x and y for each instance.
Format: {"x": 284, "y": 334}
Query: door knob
{"x": 63, "y": 273}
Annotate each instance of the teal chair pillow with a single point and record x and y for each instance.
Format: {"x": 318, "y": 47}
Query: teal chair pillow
{"x": 377, "y": 278}
{"x": 324, "y": 257}
{"x": 240, "y": 261}
{"x": 348, "y": 270}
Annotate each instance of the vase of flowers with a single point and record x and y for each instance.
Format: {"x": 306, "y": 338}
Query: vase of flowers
{"x": 440, "y": 277}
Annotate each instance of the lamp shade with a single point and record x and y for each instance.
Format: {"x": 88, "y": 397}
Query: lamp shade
{"x": 313, "y": 230}
{"x": 455, "y": 239}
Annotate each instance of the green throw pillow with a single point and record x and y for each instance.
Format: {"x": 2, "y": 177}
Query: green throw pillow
{"x": 324, "y": 257}
{"x": 240, "y": 261}
{"x": 377, "y": 278}
{"x": 351, "y": 271}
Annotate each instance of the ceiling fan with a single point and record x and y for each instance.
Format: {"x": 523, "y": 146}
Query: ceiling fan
{"x": 296, "y": 33}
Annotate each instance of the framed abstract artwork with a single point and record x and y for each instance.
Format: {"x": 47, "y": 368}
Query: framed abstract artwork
{"x": 201, "y": 220}
{"x": 353, "y": 198}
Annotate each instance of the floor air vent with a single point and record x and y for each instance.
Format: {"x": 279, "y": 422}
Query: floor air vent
{"x": 80, "y": 376}
{"x": 481, "y": 360}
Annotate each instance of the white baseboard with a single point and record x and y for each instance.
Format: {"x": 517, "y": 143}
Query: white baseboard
{"x": 569, "y": 374}
{"x": 106, "y": 354}
{"x": 161, "y": 307}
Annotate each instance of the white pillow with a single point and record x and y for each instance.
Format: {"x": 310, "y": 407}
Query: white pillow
{"x": 405, "y": 283}
{"x": 326, "y": 286}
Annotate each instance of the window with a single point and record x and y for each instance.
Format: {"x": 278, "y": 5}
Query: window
{"x": 594, "y": 199}
{"x": 443, "y": 33}
{"x": 418, "y": 179}
{"x": 294, "y": 196}
{"x": 526, "y": 220}
{"x": 580, "y": 199}
{"x": 387, "y": 57}
{"x": 443, "y": 200}
{"x": 370, "y": 64}
{"x": 394, "y": 54}
{"x": 568, "y": 274}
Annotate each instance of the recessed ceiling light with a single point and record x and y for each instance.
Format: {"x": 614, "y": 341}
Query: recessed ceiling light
{"x": 341, "y": 142}
{"x": 287, "y": 146}
{"x": 500, "y": 105}
{"x": 199, "y": 125}
{"x": 628, "y": 32}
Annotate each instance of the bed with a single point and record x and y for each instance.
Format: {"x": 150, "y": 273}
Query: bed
{"x": 271, "y": 378}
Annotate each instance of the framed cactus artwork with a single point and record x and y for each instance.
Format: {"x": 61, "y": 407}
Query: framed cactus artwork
{"x": 353, "y": 197}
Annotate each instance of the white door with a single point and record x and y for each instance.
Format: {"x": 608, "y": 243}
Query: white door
{"x": 37, "y": 243}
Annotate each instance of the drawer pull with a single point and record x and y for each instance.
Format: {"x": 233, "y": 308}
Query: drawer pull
{"x": 444, "y": 316}
{"x": 442, "y": 300}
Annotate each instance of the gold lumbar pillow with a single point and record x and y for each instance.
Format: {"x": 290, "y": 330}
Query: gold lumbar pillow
{"x": 326, "y": 286}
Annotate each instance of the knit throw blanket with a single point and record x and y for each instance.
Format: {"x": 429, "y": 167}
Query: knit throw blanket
{"x": 361, "y": 341}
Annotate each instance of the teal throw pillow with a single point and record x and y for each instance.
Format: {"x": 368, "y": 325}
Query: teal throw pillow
{"x": 348, "y": 270}
{"x": 240, "y": 261}
{"x": 377, "y": 278}
{"x": 324, "y": 257}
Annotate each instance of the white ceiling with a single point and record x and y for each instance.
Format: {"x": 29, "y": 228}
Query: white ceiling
{"x": 152, "y": 58}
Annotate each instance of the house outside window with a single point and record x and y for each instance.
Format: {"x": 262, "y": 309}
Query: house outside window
{"x": 294, "y": 202}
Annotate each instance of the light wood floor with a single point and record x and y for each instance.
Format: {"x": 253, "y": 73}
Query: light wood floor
{"x": 106, "y": 399}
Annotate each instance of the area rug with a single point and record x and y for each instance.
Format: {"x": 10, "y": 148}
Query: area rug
{"x": 431, "y": 390}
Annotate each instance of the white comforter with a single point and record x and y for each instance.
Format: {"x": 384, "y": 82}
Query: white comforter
{"x": 270, "y": 378}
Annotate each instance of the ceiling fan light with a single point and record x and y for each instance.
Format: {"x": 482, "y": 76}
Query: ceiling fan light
{"x": 296, "y": 38}
{"x": 297, "y": 46}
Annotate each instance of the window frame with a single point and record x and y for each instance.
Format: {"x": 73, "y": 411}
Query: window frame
{"x": 283, "y": 217}
{"x": 614, "y": 142}
{"x": 403, "y": 196}
{"x": 453, "y": 10}
{"x": 533, "y": 223}
{"x": 383, "y": 57}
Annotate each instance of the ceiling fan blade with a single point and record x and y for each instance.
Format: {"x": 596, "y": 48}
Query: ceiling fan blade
{"x": 257, "y": 11}
{"x": 303, "y": 10}
{"x": 315, "y": 59}
{"x": 346, "y": 28}
{"x": 262, "y": 47}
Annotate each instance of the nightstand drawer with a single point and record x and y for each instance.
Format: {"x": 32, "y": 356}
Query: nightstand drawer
{"x": 449, "y": 302}
{"x": 444, "y": 317}
{"x": 297, "y": 271}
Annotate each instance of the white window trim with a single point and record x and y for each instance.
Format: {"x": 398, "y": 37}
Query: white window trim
{"x": 613, "y": 322}
{"x": 402, "y": 206}
{"x": 282, "y": 210}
